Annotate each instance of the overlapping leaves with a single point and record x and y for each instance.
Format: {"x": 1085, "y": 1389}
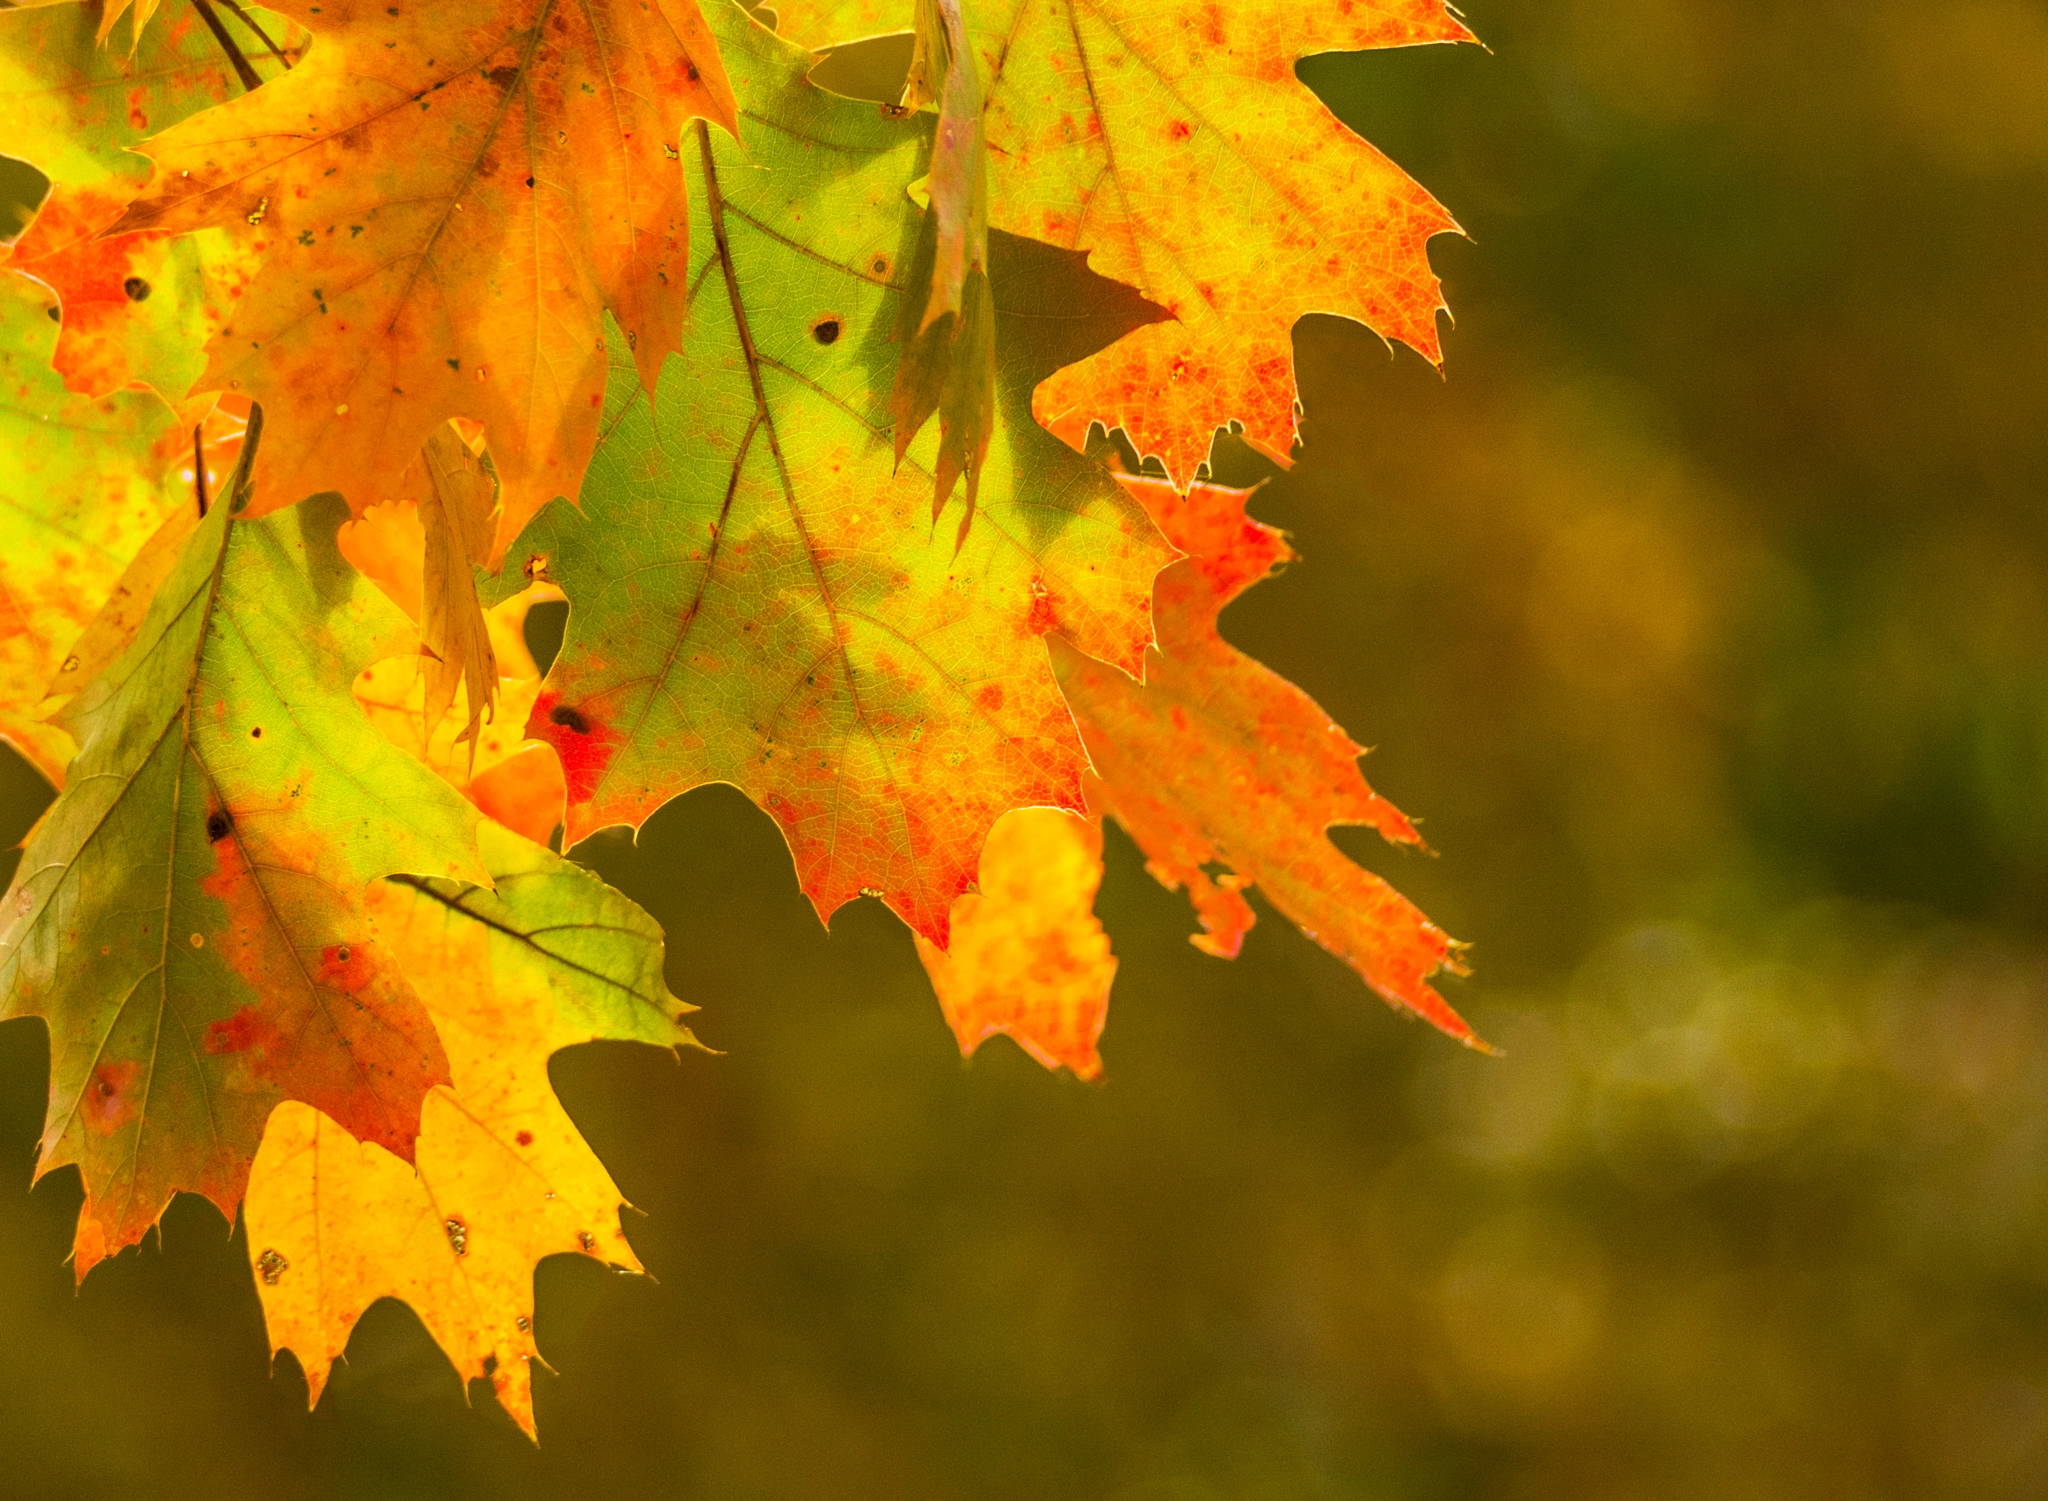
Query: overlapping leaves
{"x": 758, "y": 594}
{"x": 267, "y": 906}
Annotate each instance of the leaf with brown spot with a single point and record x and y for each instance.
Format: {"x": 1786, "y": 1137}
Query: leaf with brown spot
{"x": 758, "y": 595}
{"x": 1175, "y": 145}
{"x": 452, "y": 196}
{"x": 500, "y": 1177}
{"x": 1028, "y": 957}
{"x": 1215, "y": 759}
{"x": 188, "y": 917}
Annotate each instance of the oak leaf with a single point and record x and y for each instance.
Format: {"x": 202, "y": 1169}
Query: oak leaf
{"x": 1028, "y": 956}
{"x": 1176, "y": 146}
{"x": 757, "y": 593}
{"x": 1214, "y": 759}
{"x": 500, "y": 1177}
{"x": 188, "y": 916}
{"x": 448, "y": 199}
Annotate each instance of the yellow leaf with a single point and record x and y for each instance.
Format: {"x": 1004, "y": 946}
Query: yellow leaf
{"x": 501, "y": 1177}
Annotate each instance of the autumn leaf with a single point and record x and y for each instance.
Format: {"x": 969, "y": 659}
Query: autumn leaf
{"x": 948, "y": 360}
{"x": 508, "y": 777}
{"x": 501, "y": 1177}
{"x": 757, "y": 593}
{"x": 1175, "y": 145}
{"x": 188, "y": 917}
{"x": 1028, "y": 957}
{"x": 457, "y": 500}
{"x": 448, "y": 199}
{"x": 110, "y": 13}
{"x": 83, "y": 485}
{"x": 195, "y": 479}
{"x": 1216, "y": 760}
{"x": 136, "y": 307}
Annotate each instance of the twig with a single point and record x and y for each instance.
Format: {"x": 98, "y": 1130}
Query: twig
{"x": 199, "y": 469}
{"x": 249, "y": 76}
{"x": 261, "y": 35}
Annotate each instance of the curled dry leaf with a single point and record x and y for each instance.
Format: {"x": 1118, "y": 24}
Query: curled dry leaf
{"x": 948, "y": 335}
{"x": 1029, "y": 958}
{"x": 1215, "y": 759}
{"x": 508, "y": 777}
{"x": 457, "y": 499}
{"x": 448, "y": 198}
{"x": 500, "y": 1177}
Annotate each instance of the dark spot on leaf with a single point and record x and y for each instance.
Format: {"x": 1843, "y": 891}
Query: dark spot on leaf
{"x": 217, "y": 825}
{"x": 504, "y": 77}
{"x": 256, "y": 732}
{"x": 570, "y": 718}
{"x": 525, "y": 1138}
{"x": 136, "y": 288}
{"x": 826, "y": 330}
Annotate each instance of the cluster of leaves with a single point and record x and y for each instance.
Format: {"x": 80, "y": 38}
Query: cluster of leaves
{"x": 347, "y": 333}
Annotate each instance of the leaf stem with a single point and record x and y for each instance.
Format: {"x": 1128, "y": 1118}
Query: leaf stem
{"x": 199, "y": 467}
{"x": 261, "y": 35}
{"x": 251, "y": 79}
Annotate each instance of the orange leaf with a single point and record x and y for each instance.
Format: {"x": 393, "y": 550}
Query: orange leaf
{"x": 1217, "y": 759}
{"x": 1028, "y": 957}
{"x": 449, "y": 199}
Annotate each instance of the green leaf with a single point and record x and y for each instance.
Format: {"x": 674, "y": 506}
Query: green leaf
{"x": 554, "y": 939}
{"x": 189, "y": 916}
{"x": 758, "y": 595}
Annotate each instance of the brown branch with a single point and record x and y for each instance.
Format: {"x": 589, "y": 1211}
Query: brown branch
{"x": 261, "y": 35}
{"x": 249, "y": 76}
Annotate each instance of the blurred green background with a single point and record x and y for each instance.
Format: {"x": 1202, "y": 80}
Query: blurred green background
{"x": 1701, "y": 612}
